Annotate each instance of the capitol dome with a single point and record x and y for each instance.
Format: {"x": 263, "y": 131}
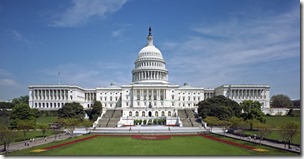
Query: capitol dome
{"x": 150, "y": 65}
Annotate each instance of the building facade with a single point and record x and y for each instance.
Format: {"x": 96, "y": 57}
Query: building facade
{"x": 148, "y": 95}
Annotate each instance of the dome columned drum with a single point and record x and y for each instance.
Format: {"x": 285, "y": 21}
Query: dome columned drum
{"x": 150, "y": 65}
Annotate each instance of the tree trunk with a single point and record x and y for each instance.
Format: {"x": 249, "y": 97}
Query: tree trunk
{"x": 4, "y": 146}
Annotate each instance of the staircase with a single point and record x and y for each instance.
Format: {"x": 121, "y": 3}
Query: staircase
{"x": 110, "y": 118}
{"x": 188, "y": 118}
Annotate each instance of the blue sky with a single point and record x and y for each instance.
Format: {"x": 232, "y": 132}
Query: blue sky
{"x": 206, "y": 43}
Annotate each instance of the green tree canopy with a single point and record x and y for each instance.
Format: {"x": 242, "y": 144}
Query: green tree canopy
{"x": 21, "y": 99}
{"x": 71, "y": 110}
{"x": 252, "y": 110}
{"x": 25, "y": 126}
{"x": 280, "y": 101}
{"x": 6, "y": 105}
{"x": 95, "y": 112}
{"x": 220, "y": 107}
{"x": 211, "y": 121}
{"x": 21, "y": 111}
{"x": 289, "y": 130}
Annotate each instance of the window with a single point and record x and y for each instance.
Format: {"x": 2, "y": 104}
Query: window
{"x": 136, "y": 113}
{"x": 156, "y": 113}
{"x": 172, "y": 96}
{"x": 110, "y": 98}
{"x": 169, "y": 113}
{"x": 127, "y": 104}
{"x": 130, "y": 113}
{"x": 163, "y": 113}
{"x": 143, "y": 114}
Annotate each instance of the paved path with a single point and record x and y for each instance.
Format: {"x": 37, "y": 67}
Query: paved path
{"x": 263, "y": 142}
{"x": 38, "y": 141}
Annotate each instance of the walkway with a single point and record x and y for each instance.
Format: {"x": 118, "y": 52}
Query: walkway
{"x": 150, "y": 130}
{"x": 263, "y": 142}
{"x": 38, "y": 141}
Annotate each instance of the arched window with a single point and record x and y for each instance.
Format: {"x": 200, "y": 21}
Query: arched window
{"x": 143, "y": 113}
{"x": 136, "y": 113}
{"x": 156, "y": 113}
{"x": 169, "y": 113}
{"x": 130, "y": 113}
{"x": 163, "y": 113}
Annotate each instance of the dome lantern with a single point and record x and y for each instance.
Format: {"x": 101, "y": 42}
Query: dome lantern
{"x": 150, "y": 65}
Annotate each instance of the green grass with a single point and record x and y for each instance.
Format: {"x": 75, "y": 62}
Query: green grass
{"x": 278, "y": 121}
{"x": 177, "y": 146}
{"x": 35, "y": 133}
{"x": 46, "y": 120}
{"x": 275, "y": 134}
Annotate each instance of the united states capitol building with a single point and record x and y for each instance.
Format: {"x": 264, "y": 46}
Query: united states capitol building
{"x": 148, "y": 96}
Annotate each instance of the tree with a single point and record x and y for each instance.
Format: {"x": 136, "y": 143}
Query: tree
{"x": 25, "y": 126}
{"x": 238, "y": 124}
{"x": 71, "y": 110}
{"x": 86, "y": 123}
{"x": 43, "y": 128}
{"x": 263, "y": 130}
{"x": 21, "y": 111}
{"x": 224, "y": 124}
{"x": 288, "y": 131}
{"x": 290, "y": 112}
{"x": 95, "y": 112}
{"x": 21, "y": 99}
{"x": 6, "y": 105}
{"x": 7, "y": 136}
{"x": 211, "y": 121}
{"x": 220, "y": 107}
{"x": 252, "y": 110}
{"x": 70, "y": 124}
{"x": 280, "y": 101}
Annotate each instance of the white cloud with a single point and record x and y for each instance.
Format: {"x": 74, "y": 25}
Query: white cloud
{"x": 90, "y": 75}
{"x": 8, "y": 82}
{"x": 20, "y": 38}
{"x": 229, "y": 51}
{"x": 116, "y": 33}
{"x": 83, "y": 10}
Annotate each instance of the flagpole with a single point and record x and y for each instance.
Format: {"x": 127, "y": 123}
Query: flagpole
{"x": 59, "y": 77}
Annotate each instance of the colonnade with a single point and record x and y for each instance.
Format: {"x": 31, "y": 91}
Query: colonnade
{"x": 50, "y": 94}
{"x": 151, "y": 75}
{"x": 248, "y": 94}
{"x": 149, "y": 94}
{"x": 91, "y": 96}
{"x": 208, "y": 95}
{"x": 150, "y": 64}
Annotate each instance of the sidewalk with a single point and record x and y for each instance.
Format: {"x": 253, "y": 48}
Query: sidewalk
{"x": 264, "y": 142}
{"x": 38, "y": 141}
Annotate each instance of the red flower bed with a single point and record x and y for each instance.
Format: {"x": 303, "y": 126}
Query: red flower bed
{"x": 229, "y": 142}
{"x": 151, "y": 137}
{"x": 71, "y": 142}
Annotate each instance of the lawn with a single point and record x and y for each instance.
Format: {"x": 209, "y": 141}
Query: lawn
{"x": 35, "y": 133}
{"x": 277, "y": 121}
{"x": 176, "y": 145}
{"x": 46, "y": 119}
